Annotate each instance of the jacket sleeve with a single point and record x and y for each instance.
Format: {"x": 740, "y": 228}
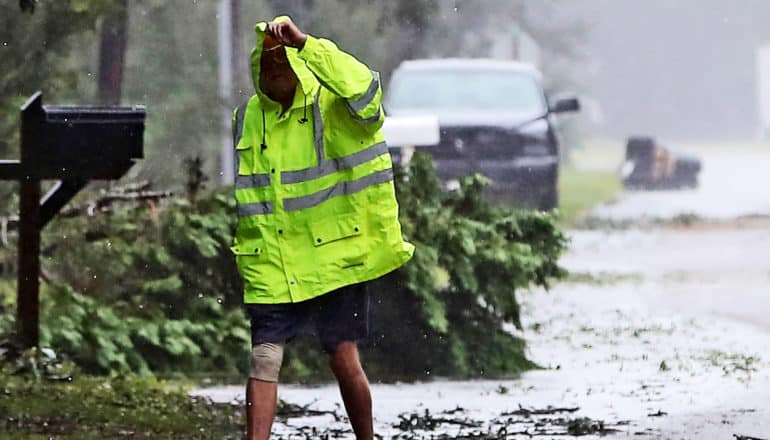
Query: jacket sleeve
{"x": 346, "y": 77}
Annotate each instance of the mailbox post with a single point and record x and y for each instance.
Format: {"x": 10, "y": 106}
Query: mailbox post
{"x": 72, "y": 145}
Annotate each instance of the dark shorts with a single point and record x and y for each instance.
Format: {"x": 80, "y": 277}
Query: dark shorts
{"x": 337, "y": 316}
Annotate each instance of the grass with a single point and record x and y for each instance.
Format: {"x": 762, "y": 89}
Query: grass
{"x": 604, "y": 155}
{"x": 601, "y": 278}
{"x": 589, "y": 178}
{"x": 99, "y": 408}
{"x": 582, "y": 190}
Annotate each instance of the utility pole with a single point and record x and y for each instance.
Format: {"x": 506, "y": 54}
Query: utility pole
{"x": 240, "y": 62}
{"x": 225, "y": 26}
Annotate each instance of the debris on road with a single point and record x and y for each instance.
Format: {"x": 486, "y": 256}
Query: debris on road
{"x": 650, "y": 166}
{"x": 538, "y": 412}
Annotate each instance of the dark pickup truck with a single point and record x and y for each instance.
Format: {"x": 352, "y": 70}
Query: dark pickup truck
{"x": 494, "y": 119}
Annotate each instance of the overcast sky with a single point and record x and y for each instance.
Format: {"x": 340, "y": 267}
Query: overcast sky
{"x": 678, "y": 69}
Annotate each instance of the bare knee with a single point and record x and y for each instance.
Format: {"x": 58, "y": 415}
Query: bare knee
{"x": 345, "y": 361}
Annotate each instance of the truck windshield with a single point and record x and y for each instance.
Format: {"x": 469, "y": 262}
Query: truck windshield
{"x": 467, "y": 90}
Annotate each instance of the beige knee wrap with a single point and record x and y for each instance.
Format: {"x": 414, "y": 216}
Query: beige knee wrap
{"x": 266, "y": 359}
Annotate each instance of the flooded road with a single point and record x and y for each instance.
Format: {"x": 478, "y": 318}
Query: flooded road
{"x": 720, "y": 269}
{"x": 660, "y": 332}
{"x": 672, "y": 320}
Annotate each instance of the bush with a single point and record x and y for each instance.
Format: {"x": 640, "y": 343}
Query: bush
{"x": 155, "y": 290}
{"x": 447, "y": 314}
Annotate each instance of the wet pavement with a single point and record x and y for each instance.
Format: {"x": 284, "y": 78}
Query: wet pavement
{"x": 659, "y": 333}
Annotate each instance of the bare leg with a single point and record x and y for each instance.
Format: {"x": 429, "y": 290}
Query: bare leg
{"x": 354, "y": 387}
{"x": 261, "y": 399}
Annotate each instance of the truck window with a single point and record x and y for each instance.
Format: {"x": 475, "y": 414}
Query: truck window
{"x": 465, "y": 90}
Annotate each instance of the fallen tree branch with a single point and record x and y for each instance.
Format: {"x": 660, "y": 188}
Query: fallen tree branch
{"x": 100, "y": 205}
{"x": 289, "y": 410}
{"x": 550, "y": 410}
{"x": 427, "y": 422}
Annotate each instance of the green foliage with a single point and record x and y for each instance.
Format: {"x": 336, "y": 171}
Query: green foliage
{"x": 155, "y": 292}
{"x": 460, "y": 289}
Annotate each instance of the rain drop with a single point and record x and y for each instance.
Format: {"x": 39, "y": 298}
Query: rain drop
{"x": 220, "y": 301}
{"x": 200, "y": 295}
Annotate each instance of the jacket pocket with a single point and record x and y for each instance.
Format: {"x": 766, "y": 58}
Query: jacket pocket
{"x": 245, "y": 158}
{"x": 340, "y": 241}
{"x": 251, "y": 260}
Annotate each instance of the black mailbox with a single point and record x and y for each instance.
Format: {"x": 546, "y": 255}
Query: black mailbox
{"x": 60, "y": 142}
{"x": 72, "y": 145}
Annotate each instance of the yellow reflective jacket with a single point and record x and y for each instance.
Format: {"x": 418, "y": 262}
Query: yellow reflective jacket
{"x": 314, "y": 185}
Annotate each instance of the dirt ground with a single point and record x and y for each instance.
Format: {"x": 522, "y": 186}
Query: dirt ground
{"x": 661, "y": 332}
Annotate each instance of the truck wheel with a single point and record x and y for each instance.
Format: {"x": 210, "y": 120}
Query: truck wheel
{"x": 549, "y": 198}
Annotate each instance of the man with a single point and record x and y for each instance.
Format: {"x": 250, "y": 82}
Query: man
{"x": 318, "y": 217}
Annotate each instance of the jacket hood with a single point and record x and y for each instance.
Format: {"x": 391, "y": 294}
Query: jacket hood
{"x": 307, "y": 81}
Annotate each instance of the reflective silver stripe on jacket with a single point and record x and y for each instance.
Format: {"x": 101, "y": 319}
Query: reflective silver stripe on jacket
{"x": 252, "y": 181}
{"x": 359, "y": 101}
{"x": 369, "y": 120}
{"x": 333, "y": 165}
{"x": 248, "y": 181}
{"x": 240, "y": 114}
{"x": 258, "y": 208}
{"x": 318, "y": 127}
{"x": 342, "y": 188}
{"x": 355, "y": 106}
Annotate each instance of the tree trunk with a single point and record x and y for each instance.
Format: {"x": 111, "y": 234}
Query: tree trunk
{"x": 112, "y": 54}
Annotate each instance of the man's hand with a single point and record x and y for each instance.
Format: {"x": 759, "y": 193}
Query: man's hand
{"x": 287, "y": 33}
